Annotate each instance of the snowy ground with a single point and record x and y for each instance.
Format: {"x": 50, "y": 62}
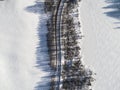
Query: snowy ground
{"x": 101, "y": 44}
{"x": 19, "y": 39}
{"x": 18, "y": 42}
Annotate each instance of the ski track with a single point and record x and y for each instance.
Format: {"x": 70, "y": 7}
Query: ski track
{"x": 19, "y": 39}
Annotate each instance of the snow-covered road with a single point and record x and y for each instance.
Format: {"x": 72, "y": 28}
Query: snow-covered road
{"x": 18, "y": 42}
{"x": 101, "y": 44}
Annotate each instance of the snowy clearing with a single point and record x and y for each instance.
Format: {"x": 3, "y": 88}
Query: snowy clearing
{"x": 18, "y": 42}
{"x": 101, "y": 44}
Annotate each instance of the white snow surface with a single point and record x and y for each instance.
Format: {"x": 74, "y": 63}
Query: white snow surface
{"x": 18, "y": 42}
{"x": 101, "y": 44}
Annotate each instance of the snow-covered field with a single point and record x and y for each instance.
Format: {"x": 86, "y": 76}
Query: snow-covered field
{"x": 18, "y": 42}
{"x": 101, "y": 44}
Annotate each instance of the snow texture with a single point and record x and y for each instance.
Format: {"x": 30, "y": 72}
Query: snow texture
{"x": 20, "y": 40}
{"x": 101, "y": 44}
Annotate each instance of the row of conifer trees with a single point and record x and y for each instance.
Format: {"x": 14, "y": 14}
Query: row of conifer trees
{"x": 75, "y": 76}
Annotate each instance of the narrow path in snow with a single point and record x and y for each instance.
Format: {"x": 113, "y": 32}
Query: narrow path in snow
{"x": 58, "y": 30}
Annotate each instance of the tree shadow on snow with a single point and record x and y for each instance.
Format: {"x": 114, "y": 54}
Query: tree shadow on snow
{"x": 42, "y": 49}
{"x": 115, "y": 12}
